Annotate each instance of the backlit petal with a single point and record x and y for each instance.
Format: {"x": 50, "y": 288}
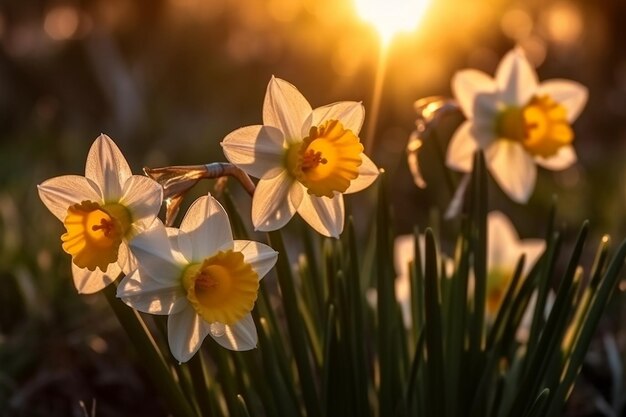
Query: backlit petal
{"x": 271, "y": 207}
{"x": 368, "y": 172}
{"x": 569, "y": 94}
{"x": 89, "y": 282}
{"x": 513, "y": 169}
{"x": 325, "y": 215}
{"x": 143, "y": 197}
{"x": 467, "y": 85}
{"x": 349, "y": 113}
{"x": 516, "y": 78}
{"x": 107, "y": 167}
{"x": 564, "y": 158}
{"x": 207, "y": 227}
{"x": 258, "y": 150}
{"x": 154, "y": 254}
{"x": 285, "y": 108}
{"x": 240, "y": 336}
{"x": 59, "y": 193}
{"x": 125, "y": 259}
{"x": 185, "y": 333}
{"x": 261, "y": 257}
{"x": 461, "y": 148}
{"x": 502, "y": 242}
{"x": 146, "y": 294}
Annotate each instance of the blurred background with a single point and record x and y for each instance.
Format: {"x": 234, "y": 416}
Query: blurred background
{"x": 168, "y": 79}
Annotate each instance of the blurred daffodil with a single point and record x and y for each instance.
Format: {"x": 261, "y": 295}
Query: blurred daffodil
{"x": 101, "y": 212}
{"x": 306, "y": 159}
{"x": 504, "y": 249}
{"x": 517, "y": 121}
{"x": 206, "y": 282}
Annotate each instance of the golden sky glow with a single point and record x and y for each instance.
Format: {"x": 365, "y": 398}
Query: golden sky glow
{"x": 392, "y": 16}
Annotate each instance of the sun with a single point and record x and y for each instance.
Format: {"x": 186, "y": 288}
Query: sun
{"x": 392, "y": 16}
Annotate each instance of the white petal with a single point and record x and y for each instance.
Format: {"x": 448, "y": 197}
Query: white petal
{"x": 143, "y": 197}
{"x": 402, "y": 289}
{"x": 285, "y": 108}
{"x": 239, "y": 336}
{"x": 564, "y": 158}
{"x": 569, "y": 94}
{"x": 368, "y": 172}
{"x": 502, "y": 242}
{"x": 461, "y": 149}
{"x": 513, "y": 169}
{"x": 89, "y": 282}
{"x": 258, "y": 150}
{"x": 185, "y": 333}
{"x": 271, "y": 206}
{"x": 125, "y": 259}
{"x": 467, "y": 85}
{"x": 516, "y": 78}
{"x": 107, "y": 167}
{"x": 59, "y": 193}
{"x": 154, "y": 255}
{"x": 325, "y": 215}
{"x": 456, "y": 203}
{"x": 261, "y": 257}
{"x": 350, "y": 113}
{"x": 207, "y": 227}
{"x": 143, "y": 293}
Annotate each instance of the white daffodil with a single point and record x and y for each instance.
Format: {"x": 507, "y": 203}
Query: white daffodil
{"x": 101, "y": 212}
{"x": 206, "y": 282}
{"x": 404, "y": 251}
{"x": 306, "y": 159}
{"x": 517, "y": 121}
{"x": 504, "y": 249}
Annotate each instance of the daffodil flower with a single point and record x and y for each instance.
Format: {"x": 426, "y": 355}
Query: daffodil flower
{"x": 101, "y": 212}
{"x": 206, "y": 282}
{"x": 518, "y": 122}
{"x": 306, "y": 159}
{"x": 504, "y": 249}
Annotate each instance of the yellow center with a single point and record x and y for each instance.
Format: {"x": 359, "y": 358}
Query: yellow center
{"x": 223, "y": 288}
{"x": 94, "y": 233}
{"x": 498, "y": 280}
{"x": 326, "y": 160}
{"x": 541, "y": 126}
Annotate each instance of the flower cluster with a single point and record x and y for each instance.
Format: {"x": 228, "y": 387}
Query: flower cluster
{"x": 305, "y": 160}
{"x": 206, "y": 282}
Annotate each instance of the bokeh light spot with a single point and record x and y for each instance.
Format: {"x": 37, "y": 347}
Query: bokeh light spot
{"x": 61, "y": 23}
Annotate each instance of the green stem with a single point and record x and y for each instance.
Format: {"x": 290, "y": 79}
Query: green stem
{"x": 147, "y": 349}
{"x": 295, "y": 327}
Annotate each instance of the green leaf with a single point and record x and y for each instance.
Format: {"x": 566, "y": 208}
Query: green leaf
{"x": 435, "y": 371}
{"x": 147, "y": 349}
{"x": 295, "y": 326}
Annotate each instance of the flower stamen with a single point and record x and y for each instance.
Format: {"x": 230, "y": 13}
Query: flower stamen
{"x": 327, "y": 160}
{"x": 222, "y": 288}
{"x": 541, "y": 126}
{"x": 311, "y": 159}
{"x": 94, "y": 233}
